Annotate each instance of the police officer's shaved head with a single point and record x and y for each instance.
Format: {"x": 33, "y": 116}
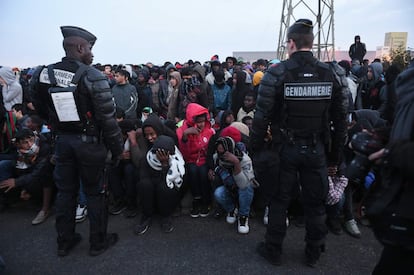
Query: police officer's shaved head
{"x": 302, "y": 33}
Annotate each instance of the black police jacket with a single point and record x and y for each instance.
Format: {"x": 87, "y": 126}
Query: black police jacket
{"x": 270, "y": 104}
{"x": 93, "y": 99}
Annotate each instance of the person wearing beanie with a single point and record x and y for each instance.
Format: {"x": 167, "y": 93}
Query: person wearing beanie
{"x": 234, "y": 178}
{"x": 11, "y": 89}
{"x": 299, "y": 100}
{"x": 357, "y": 50}
{"x": 152, "y": 148}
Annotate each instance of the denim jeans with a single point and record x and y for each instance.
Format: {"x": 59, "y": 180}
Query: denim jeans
{"x": 82, "y": 195}
{"x": 245, "y": 196}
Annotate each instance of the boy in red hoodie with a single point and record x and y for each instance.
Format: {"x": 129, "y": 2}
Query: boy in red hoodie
{"x": 193, "y": 137}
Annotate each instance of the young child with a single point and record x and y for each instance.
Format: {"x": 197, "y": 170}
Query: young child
{"x": 248, "y": 108}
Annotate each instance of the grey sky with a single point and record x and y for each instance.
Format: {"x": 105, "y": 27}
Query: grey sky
{"x": 157, "y": 31}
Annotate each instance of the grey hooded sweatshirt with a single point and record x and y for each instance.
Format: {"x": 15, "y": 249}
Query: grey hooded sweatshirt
{"x": 12, "y": 90}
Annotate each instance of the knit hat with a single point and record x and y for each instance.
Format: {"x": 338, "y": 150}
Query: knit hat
{"x": 232, "y": 132}
{"x": 164, "y": 143}
{"x": 243, "y": 128}
{"x": 257, "y": 78}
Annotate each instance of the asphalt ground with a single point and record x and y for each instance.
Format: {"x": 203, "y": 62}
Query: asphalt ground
{"x": 196, "y": 246}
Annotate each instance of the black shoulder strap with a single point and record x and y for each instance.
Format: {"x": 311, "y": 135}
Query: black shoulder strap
{"x": 82, "y": 68}
{"x": 51, "y": 75}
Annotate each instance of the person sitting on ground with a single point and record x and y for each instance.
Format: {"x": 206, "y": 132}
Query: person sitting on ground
{"x": 248, "y": 108}
{"x": 33, "y": 171}
{"x": 21, "y": 116}
{"x": 154, "y": 152}
{"x": 235, "y": 177}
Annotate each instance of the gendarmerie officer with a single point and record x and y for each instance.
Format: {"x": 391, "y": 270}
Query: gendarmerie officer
{"x": 302, "y": 101}
{"x": 76, "y": 100}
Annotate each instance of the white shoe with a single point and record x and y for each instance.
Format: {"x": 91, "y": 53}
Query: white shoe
{"x": 40, "y": 217}
{"x": 81, "y": 213}
{"x": 266, "y": 216}
{"x": 243, "y": 225}
{"x": 352, "y": 228}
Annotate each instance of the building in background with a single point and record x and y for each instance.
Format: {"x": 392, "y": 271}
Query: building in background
{"x": 392, "y": 41}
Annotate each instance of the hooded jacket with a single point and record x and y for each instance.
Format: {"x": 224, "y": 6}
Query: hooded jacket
{"x": 371, "y": 98}
{"x": 138, "y": 152}
{"x": 172, "y": 98}
{"x": 12, "y": 91}
{"x": 194, "y": 150}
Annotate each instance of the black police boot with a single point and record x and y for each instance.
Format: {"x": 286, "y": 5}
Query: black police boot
{"x": 272, "y": 253}
{"x": 64, "y": 247}
{"x": 313, "y": 254}
{"x": 99, "y": 248}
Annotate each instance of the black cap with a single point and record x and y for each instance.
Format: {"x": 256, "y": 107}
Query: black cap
{"x": 69, "y": 31}
{"x": 301, "y": 26}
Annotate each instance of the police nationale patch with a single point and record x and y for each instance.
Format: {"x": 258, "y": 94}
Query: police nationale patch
{"x": 63, "y": 78}
{"x": 308, "y": 91}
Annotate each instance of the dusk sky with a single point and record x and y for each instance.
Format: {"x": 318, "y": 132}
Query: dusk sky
{"x": 158, "y": 31}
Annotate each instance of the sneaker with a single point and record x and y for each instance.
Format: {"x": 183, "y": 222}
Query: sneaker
{"x": 81, "y": 213}
{"x": 97, "y": 249}
{"x": 243, "y": 225}
{"x": 334, "y": 225}
{"x": 266, "y": 216}
{"x": 65, "y": 247}
{"x": 166, "y": 225}
{"x": 130, "y": 212}
{"x": 117, "y": 208}
{"x": 143, "y": 225}
{"x": 40, "y": 217}
{"x": 313, "y": 254}
{"x": 352, "y": 229}
{"x": 195, "y": 211}
{"x": 231, "y": 216}
{"x": 204, "y": 211}
{"x": 272, "y": 254}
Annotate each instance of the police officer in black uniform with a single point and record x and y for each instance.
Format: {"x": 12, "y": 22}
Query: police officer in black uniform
{"x": 76, "y": 100}
{"x": 306, "y": 108}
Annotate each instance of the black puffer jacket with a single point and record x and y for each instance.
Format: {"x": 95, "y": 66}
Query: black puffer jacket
{"x": 94, "y": 98}
{"x": 270, "y": 105}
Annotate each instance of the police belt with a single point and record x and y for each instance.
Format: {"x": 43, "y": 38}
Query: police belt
{"x": 300, "y": 137}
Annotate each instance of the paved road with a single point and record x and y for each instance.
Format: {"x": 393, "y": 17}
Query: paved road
{"x": 196, "y": 246}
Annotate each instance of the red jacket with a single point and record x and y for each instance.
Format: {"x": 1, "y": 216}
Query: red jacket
{"x": 195, "y": 149}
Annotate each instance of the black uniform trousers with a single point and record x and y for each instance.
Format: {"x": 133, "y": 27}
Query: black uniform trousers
{"x": 306, "y": 159}
{"x": 78, "y": 160}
